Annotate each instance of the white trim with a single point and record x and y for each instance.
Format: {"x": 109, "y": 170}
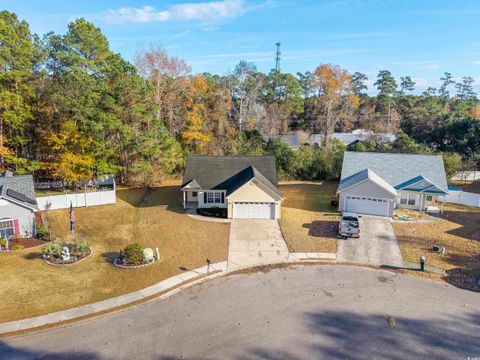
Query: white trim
{"x": 31, "y": 207}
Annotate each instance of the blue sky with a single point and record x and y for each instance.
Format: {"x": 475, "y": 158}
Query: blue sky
{"x": 419, "y": 38}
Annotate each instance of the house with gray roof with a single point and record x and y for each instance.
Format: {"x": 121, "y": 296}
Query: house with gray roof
{"x": 349, "y": 139}
{"x": 17, "y": 205}
{"x": 247, "y": 186}
{"x": 378, "y": 183}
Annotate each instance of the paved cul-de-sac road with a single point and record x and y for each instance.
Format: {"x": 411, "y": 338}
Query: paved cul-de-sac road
{"x": 303, "y": 312}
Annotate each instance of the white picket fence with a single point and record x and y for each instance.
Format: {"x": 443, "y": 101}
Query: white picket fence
{"x": 461, "y": 198}
{"x": 55, "y": 202}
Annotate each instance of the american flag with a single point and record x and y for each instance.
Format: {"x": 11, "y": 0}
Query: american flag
{"x": 72, "y": 217}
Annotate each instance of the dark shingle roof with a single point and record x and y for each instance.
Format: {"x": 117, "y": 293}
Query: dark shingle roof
{"x": 396, "y": 169}
{"x": 230, "y": 172}
{"x": 18, "y": 188}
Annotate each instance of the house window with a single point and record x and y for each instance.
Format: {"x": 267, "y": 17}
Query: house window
{"x": 411, "y": 200}
{"x": 429, "y": 197}
{"x": 194, "y": 194}
{"x": 6, "y": 228}
{"x": 216, "y": 197}
{"x": 404, "y": 199}
{"x": 210, "y": 198}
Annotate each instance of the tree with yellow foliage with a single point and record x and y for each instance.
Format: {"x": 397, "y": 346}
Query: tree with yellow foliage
{"x": 195, "y": 133}
{"x": 335, "y": 101}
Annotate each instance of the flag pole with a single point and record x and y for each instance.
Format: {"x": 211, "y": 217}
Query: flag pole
{"x": 72, "y": 222}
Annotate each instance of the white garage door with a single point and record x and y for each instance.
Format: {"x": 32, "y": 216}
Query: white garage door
{"x": 245, "y": 210}
{"x": 366, "y": 205}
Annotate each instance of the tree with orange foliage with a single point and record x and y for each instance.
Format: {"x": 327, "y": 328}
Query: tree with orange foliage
{"x": 475, "y": 112}
{"x": 335, "y": 101}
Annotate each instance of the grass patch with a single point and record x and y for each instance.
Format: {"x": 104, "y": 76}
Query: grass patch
{"x": 152, "y": 217}
{"x": 458, "y": 230}
{"x": 309, "y": 223}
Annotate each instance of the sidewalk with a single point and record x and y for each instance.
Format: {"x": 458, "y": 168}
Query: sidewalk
{"x": 110, "y": 304}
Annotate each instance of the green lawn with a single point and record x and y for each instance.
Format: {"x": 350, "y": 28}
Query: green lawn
{"x": 309, "y": 223}
{"x": 153, "y": 217}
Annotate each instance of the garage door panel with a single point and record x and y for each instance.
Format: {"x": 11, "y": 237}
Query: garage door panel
{"x": 367, "y": 205}
{"x": 245, "y": 210}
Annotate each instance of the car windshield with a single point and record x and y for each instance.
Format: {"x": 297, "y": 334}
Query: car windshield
{"x": 349, "y": 218}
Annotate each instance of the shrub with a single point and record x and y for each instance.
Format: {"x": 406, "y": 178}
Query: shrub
{"x": 42, "y": 232}
{"x": 17, "y": 247}
{"x": 213, "y": 212}
{"x": 133, "y": 254}
{"x": 81, "y": 246}
{"x": 3, "y": 242}
{"x": 52, "y": 249}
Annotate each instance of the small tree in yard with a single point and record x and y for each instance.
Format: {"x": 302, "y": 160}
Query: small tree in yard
{"x": 133, "y": 254}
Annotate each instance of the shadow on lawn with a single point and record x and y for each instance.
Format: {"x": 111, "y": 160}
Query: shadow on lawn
{"x": 325, "y": 228}
{"x": 110, "y": 256}
{"x": 469, "y": 221}
{"x": 169, "y": 196}
{"x": 346, "y": 335}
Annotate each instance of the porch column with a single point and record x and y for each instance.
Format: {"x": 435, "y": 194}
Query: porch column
{"x": 183, "y": 199}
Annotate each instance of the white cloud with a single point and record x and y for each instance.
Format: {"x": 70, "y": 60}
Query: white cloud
{"x": 477, "y": 62}
{"x": 210, "y": 11}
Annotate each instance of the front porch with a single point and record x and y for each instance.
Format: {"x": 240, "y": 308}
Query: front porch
{"x": 190, "y": 205}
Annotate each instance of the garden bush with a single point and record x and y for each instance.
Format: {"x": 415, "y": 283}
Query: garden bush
{"x": 52, "y": 249}
{"x": 42, "y": 232}
{"x": 17, "y": 247}
{"x": 133, "y": 254}
{"x": 213, "y": 212}
{"x": 81, "y": 247}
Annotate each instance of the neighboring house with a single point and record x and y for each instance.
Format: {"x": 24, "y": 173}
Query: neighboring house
{"x": 246, "y": 186}
{"x": 377, "y": 183}
{"x": 17, "y": 205}
{"x": 294, "y": 141}
{"x": 349, "y": 139}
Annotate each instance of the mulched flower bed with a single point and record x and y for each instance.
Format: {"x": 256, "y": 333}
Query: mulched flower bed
{"x": 213, "y": 212}
{"x": 74, "y": 257}
{"x": 26, "y": 242}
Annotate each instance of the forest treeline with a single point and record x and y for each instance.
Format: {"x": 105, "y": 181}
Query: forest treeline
{"x": 71, "y": 108}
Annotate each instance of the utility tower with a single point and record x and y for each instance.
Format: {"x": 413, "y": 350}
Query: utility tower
{"x": 277, "y": 57}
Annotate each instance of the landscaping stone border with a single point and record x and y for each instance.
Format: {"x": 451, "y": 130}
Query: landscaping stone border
{"x": 69, "y": 264}
{"x": 119, "y": 265}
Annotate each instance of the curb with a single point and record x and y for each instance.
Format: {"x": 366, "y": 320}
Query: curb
{"x": 171, "y": 286}
{"x": 311, "y": 256}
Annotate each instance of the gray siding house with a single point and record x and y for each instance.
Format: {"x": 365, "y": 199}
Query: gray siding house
{"x": 378, "y": 183}
{"x": 17, "y": 205}
{"x": 246, "y": 186}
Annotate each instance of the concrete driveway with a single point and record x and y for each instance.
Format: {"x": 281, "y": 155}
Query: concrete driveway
{"x": 377, "y": 244}
{"x": 255, "y": 242}
{"x": 305, "y": 312}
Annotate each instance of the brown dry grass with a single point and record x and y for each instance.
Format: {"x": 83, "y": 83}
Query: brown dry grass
{"x": 458, "y": 230}
{"x": 152, "y": 217}
{"x": 410, "y": 214}
{"x": 309, "y": 223}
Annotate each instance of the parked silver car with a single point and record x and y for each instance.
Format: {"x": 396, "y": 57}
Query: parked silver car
{"x": 349, "y": 225}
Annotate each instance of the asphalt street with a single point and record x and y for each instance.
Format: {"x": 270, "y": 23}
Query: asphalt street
{"x": 304, "y": 312}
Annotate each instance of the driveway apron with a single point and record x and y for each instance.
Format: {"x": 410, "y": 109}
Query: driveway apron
{"x": 255, "y": 242}
{"x": 377, "y": 244}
